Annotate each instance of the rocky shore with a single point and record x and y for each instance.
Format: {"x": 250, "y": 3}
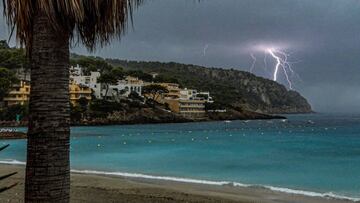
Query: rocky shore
{"x": 12, "y": 135}
{"x": 155, "y": 116}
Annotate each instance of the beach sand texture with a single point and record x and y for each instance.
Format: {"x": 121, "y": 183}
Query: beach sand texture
{"x": 97, "y": 188}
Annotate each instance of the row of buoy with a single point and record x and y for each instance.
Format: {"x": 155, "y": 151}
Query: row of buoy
{"x": 173, "y": 140}
{"x": 231, "y": 135}
{"x": 193, "y": 139}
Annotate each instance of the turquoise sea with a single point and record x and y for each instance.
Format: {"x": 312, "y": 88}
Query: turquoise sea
{"x": 317, "y": 154}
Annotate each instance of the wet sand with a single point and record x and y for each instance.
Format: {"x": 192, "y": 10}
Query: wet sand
{"x": 98, "y": 188}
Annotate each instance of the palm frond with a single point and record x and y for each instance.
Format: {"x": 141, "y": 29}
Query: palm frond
{"x": 93, "y": 22}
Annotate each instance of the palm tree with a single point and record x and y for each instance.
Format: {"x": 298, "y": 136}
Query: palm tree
{"x": 46, "y": 28}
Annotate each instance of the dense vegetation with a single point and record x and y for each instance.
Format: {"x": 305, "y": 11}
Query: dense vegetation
{"x": 227, "y": 86}
{"x": 10, "y": 60}
{"x": 7, "y": 79}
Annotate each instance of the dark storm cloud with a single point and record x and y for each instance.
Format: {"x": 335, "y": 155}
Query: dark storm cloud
{"x": 324, "y": 35}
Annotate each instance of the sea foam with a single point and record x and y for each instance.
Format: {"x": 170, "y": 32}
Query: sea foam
{"x": 12, "y": 162}
{"x": 329, "y": 195}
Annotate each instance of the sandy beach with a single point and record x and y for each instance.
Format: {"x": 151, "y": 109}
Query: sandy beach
{"x": 98, "y": 188}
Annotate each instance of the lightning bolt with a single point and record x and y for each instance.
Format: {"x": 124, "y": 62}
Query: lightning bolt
{"x": 281, "y": 63}
{"x": 253, "y": 63}
{"x": 265, "y": 62}
{"x": 283, "y": 66}
{"x": 267, "y": 72}
{"x": 278, "y": 63}
{"x": 205, "y": 49}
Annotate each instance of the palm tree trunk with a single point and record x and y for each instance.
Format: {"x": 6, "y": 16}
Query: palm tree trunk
{"x": 48, "y": 165}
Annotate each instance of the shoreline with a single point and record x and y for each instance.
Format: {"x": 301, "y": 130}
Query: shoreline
{"x": 194, "y": 190}
{"x": 12, "y": 135}
{"x": 9, "y": 133}
{"x": 9, "y": 124}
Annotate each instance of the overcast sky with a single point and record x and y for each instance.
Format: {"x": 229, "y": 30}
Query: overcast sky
{"x": 322, "y": 36}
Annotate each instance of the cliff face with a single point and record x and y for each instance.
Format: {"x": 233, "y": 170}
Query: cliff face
{"x": 260, "y": 94}
{"x": 228, "y": 86}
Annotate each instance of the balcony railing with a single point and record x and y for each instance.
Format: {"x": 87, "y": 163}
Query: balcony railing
{"x": 15, "y": 99}
{"x": 80, "y": 91}
{"x": 18, "y": 93}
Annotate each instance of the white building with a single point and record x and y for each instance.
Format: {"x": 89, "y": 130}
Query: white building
{"x": 91, "y": 81}
{"x": 189, "y": 94}
{"x": 124, "y": 87}
{"x": 154, "y": 74}
{"x": 76, "y": 70}
{"x": 206, "y": 96}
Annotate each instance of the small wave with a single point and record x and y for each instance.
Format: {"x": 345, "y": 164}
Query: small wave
{"x": 138, "y": 175}
{"x": 329, "y": 195}
{"x": 12, "y": 162}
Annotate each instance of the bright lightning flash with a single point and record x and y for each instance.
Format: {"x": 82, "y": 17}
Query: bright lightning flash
{"x": 205, "y": 49}
{"x": 281, "y": 63}
{"x": 254, "y": 62}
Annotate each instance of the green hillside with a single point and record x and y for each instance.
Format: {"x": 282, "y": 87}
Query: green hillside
{"x": 228, "y": 86}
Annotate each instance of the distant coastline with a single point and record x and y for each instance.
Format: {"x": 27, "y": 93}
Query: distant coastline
{"x": 12, "y": 134}
{"x": 8, "y": 133}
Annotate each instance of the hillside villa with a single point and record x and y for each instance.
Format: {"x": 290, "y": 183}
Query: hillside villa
{"x": 184, "y": 101}
{"x": 20, "y": 93}
{"x": 187, "y": 102}
{"x": 124, "y": 87}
